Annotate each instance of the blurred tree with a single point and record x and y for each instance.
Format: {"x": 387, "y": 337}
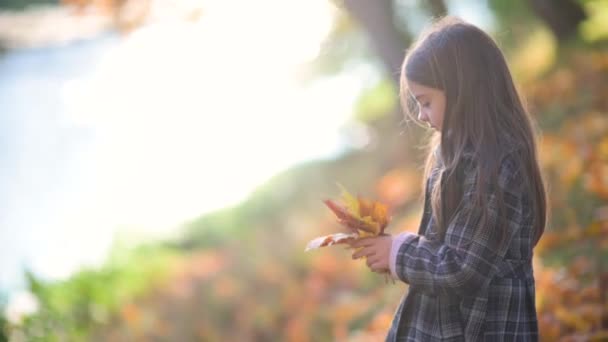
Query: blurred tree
{"x": 436, "y": 7}
{"x": 373, "y": 33}
{"x": 376, "y": 17}
{"x": 562, "y": 16}
{"x": 3, "y": 323}
{"x": 22, "y": 4}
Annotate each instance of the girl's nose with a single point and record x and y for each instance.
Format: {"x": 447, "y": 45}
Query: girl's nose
{"x": 422, "y": 117}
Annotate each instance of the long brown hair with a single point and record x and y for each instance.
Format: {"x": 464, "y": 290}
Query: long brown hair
{"x": 484, "y": 114}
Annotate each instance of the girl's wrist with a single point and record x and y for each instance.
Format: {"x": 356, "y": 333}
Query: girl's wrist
{"x": 397, "y": 241}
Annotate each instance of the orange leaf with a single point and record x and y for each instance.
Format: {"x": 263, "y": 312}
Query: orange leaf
{"x": 380, "y": 215}
{"x": 366, "y": 206}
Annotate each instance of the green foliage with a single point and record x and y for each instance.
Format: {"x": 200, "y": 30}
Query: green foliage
{"x": 596, "y": 27}
{"x": 3, "y": 329}
{"x": 213, "y": 229}
{"x": 376, "y": 101}
{"x": 514, "y": 21}
{"x": 23, "y": 4}
{"x": 74, "y": 307}
{"x": 345, "y": 47}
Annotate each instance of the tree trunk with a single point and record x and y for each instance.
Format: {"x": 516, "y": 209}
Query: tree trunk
{"x": 437, "y": 8}
{"x": 377, "y": 20}
{"x": 562, "y": 16}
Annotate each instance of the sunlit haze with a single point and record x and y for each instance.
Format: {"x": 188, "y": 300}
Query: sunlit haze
{"x": 181, "y": 118}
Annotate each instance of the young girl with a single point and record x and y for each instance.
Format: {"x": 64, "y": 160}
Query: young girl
{"x": 469, "y": 268}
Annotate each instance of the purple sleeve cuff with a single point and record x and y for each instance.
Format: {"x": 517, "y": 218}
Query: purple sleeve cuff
{"x": 397, "y": 242}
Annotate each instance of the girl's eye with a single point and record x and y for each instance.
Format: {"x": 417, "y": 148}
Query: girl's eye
{"x": 426, "y": 105}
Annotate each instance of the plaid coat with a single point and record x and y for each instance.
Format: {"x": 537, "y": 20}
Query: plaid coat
{"x": 464, "y": 288}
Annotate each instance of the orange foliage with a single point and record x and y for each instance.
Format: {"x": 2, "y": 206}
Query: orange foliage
{"x": 398, "y": 186}
{"x": 573, "y": 155}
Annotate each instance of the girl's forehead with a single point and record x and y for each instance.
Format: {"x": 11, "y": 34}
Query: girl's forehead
{"x": 417, "y": 89}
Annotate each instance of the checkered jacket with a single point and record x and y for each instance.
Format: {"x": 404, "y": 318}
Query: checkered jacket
{"x": 464, "y": 287}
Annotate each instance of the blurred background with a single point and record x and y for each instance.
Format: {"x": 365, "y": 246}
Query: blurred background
{"x": 163, "y": 163}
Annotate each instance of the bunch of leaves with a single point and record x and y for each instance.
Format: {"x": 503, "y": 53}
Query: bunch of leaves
{"x": 362, "y": 217}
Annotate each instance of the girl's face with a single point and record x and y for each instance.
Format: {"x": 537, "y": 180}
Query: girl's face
{"x": 431, "y": 104}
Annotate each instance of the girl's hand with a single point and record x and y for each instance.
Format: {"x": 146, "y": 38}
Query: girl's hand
{"x": 377, "y": 250}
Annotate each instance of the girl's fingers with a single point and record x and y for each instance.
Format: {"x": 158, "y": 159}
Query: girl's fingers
{"x": 362, "y": 242}
{"x": 372, "y": 260}
{"x": 364, "y": 252}
{"x": 376, "y": 267}
{"x": 376, "y": 262}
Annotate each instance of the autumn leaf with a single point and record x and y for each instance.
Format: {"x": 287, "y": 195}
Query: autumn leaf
{"x": 350, "y": 202}
{"x": 329, "y": 240}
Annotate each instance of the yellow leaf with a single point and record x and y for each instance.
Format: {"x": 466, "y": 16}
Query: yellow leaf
{"x": 372, "y": 224}
{"x": 350, "y": 202}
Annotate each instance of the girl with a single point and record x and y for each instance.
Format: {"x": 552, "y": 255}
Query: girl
{"x": 469, "y": 268}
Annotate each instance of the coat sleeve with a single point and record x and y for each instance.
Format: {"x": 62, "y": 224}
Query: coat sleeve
{"x": 466, "y": 260}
